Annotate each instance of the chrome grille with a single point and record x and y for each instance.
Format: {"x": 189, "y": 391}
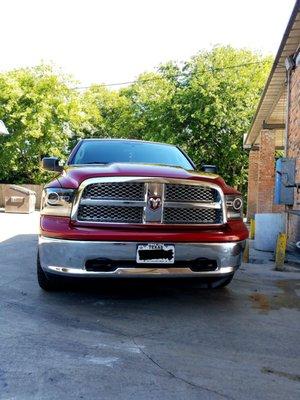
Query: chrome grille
{"x": 115, "y": 191}
{"x": 149, "y": 201}
{"x": 130, "y": 215}
{"x": 192, "y": 216}
{"x": 175, "y": 192}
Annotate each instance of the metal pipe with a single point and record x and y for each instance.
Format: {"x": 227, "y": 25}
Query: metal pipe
{"x": 287, "y": 112}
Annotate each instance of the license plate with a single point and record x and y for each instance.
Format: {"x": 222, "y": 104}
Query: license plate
{"x": 155, "y": 253}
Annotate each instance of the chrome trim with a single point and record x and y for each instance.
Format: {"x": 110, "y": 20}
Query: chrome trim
{"x": 116, "y": 203}
{"x": 188, "y": 204}
{"x": 153, "y": 189}
{"x": 141, "y": 272}
{"x": 148, "y": 181}
{"x": 69, "y": 257}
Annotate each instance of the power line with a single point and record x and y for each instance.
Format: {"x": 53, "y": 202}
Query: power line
{"x": 176, "y": 76}
{"x": 114, "y": 84}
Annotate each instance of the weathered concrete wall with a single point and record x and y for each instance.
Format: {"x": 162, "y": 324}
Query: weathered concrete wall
{"x": 36, "y": 188}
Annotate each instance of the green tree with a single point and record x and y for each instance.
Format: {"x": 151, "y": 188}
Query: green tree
{"x": 205, "y": 105}
{"x": 218, "y": 99}
{"x": 107, "y": 113}
{"x": 41, "y": 112}
{"x": 152, "y": 98}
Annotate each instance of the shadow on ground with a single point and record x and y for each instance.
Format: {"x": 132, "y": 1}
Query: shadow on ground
{"x": 146, "y": 339}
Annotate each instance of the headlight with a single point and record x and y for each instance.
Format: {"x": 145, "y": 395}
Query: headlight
{"x": 234, "y": 206}
{"x": 57, "y": 201}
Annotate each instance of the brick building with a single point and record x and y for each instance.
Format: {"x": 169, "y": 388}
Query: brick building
{"x": 275, "y": 131}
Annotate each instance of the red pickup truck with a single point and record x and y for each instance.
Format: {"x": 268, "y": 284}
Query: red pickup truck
{"x": 129, "y": 208}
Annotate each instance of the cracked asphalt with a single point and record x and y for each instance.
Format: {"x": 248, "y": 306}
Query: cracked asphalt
{"x": 144, "y": 339}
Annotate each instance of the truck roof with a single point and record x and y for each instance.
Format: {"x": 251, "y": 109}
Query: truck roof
{"x": 127, "y": 140}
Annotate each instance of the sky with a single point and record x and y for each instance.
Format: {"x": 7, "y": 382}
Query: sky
{"x": 111, "y": 41}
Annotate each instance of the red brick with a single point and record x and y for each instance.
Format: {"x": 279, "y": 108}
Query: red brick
{"x": 294, "y": 151}
{"x": 252, "y": 183}
{"x": 266, "y": 172}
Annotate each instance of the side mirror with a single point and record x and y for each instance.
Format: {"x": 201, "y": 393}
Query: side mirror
{"x": 212, "y": 169}
{"x": 51, "y": 164}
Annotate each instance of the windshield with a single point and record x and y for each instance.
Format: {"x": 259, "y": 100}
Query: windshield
{"x": 118, "y": 151}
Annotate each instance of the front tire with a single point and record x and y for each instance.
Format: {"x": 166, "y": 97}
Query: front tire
{"x": 46, "y": 283}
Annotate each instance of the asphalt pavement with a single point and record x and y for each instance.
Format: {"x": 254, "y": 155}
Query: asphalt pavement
{"x": 144, "y": 339}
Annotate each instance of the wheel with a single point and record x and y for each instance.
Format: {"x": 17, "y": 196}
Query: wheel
{"x": 46, "y": 283}
{"x": 220, "y": 283}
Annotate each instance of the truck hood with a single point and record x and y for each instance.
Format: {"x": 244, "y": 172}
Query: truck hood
{"x": 73, "y": 176}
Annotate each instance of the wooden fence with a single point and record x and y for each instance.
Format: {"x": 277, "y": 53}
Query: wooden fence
{"x": 36, "y": 188}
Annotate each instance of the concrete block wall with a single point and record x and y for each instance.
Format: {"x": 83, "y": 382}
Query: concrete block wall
{"x": 36, "y": 188}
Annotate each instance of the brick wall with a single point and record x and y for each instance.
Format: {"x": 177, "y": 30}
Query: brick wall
{"x": 261, "y": 177}
{"x": 252, "y": 183}
{"x": 294, "y": 149}
{"x": 266, "y": 172}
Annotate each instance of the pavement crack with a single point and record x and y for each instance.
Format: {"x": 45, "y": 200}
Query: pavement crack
{"x": 174, "y": 376}
{"x": 292, "y": 377}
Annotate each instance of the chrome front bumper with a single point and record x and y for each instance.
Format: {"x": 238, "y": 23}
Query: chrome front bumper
{"x": 68, "y": 257}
